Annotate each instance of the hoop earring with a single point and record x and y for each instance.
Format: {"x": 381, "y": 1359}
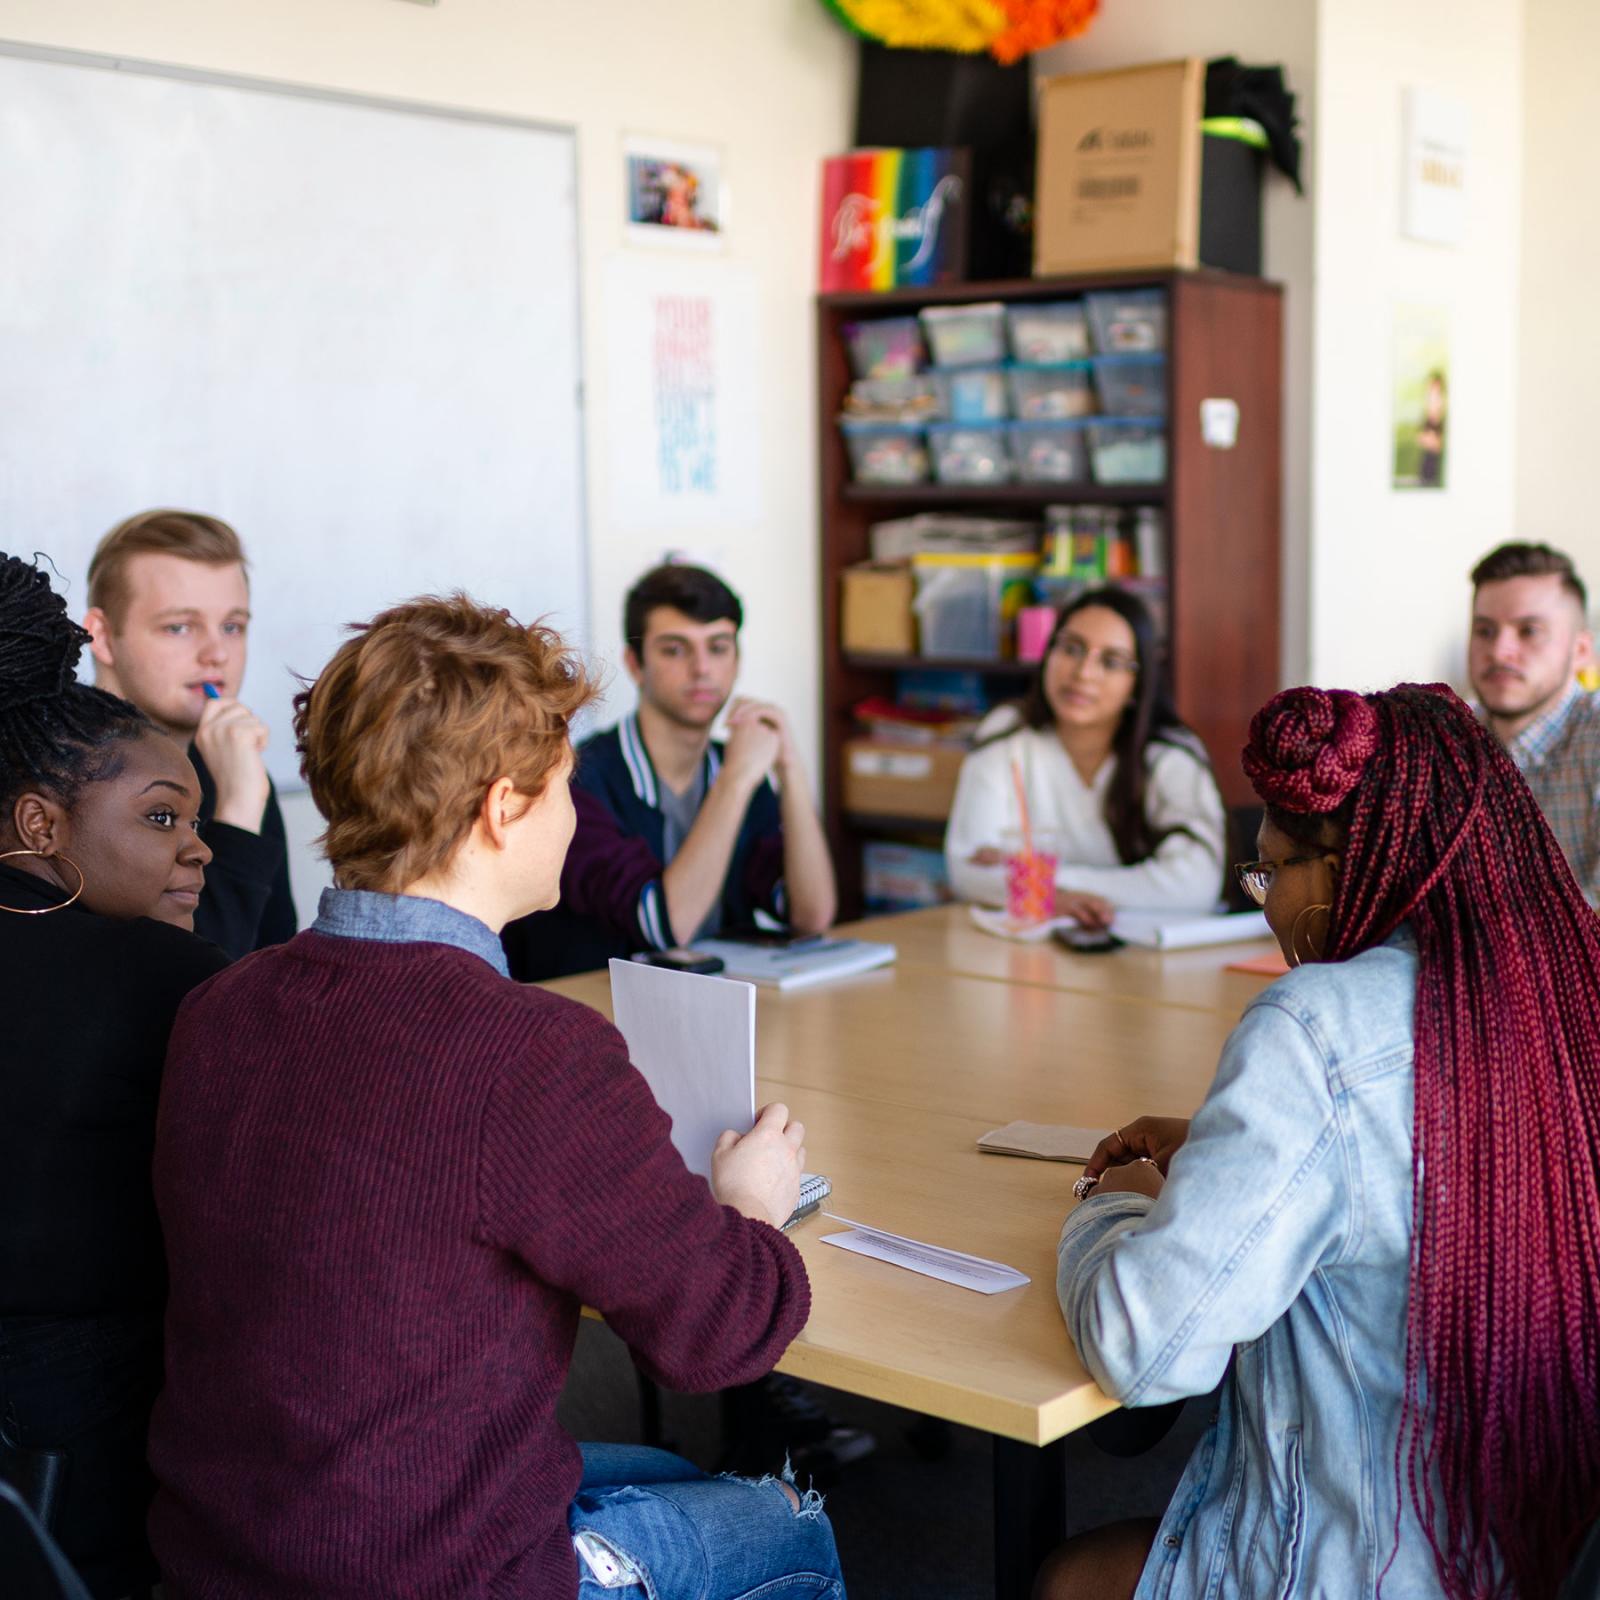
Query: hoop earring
{"x": 1313, "y": 944}
{"x": 43, "y": 911}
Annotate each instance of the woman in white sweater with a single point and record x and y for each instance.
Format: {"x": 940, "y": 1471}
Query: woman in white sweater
{"x": 1118, "y": 788}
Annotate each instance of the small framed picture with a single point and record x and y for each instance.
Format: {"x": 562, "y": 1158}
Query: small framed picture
{"x": 675, "y": 194}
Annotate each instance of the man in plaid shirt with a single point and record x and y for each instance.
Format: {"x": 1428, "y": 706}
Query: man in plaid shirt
{"x": 1530, "y": 641}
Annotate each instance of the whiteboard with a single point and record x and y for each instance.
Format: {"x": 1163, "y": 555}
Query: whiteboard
{"x": 347, "y": 327}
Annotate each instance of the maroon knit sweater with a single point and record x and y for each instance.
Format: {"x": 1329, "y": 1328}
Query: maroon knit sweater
{"x": 387, "y": 1180}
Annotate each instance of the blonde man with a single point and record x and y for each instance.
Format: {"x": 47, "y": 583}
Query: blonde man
{"x": 169, "y": 617}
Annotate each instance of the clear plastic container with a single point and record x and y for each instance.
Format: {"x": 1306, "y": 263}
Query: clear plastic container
{"x": 973, "y": 394}
{"x": 1053, "y": 332}
{"x": 966, "y": 605}
{"x": 886, "y": 452}
{"x": 1127, "y": 450}
{"x": 1128, "y": 319}
{"x": 886, "y": 347}
{"x": 1132, "y": 385}
{"x": 1061, "y": 390}
{"x": 969, "y": 452}
{"x": 919, "y": 398}
{"x": 966, "y": 336}
{"x": 1051, "y": 452}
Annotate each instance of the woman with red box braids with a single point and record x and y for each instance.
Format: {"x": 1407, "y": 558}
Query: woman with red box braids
{"x": 1382, "y": 1228}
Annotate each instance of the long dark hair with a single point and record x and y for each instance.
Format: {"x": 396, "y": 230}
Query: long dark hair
{"x": 1500, "y": 1428}
{"x": 1149, "y": 718}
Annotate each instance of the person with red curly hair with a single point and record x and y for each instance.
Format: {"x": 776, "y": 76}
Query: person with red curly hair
{"x": 1381, "y": 1231}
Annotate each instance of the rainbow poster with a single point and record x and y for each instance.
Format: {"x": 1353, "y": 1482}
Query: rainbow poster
{"x": 894, "y": 218}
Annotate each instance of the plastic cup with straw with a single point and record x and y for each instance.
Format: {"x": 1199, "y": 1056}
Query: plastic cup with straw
{"x": 1030, "y": 876}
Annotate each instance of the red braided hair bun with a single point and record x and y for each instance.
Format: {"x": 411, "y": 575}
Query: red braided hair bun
{"x": 1309, "y": 747}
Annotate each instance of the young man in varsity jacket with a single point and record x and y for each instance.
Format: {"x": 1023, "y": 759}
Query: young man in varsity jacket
{"x": 679, "y": 836}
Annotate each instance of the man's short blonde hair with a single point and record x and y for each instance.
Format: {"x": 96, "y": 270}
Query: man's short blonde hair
{"x": 187, "y": 534}
{"x": 416, "y": 717}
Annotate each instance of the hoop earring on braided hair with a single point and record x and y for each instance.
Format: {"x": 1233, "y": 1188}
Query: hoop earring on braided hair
{"x": 43, "y": 911}
{"x": 1316, "y": 936}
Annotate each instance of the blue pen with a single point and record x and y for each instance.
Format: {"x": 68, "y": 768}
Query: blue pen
{"x": 211, "y": 692}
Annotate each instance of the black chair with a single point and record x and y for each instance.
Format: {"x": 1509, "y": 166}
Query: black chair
{"x": 36, "y": 1476}
{"x": 34, "y": 1569}
{"x": 1583, "y": 1582}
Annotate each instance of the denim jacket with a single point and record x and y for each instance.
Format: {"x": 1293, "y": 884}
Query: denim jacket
{"x": 1278, "y": 1256}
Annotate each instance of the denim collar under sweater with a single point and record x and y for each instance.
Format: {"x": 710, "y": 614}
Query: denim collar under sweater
{"x": 406, "y": 919}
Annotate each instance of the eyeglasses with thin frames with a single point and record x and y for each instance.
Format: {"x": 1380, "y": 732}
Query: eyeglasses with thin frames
{"x": 1255, "y": 877}
{"x": 1077, "y": 651}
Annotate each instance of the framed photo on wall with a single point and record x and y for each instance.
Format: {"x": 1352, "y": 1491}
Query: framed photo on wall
{"x": 675, "y": 193}
{"x": 1421, "y": 397}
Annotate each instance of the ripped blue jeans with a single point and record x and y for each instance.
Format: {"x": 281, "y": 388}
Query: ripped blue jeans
{"x": 648, "y": 1523}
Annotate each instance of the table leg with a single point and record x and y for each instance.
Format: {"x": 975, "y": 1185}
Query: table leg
{"x": 1030, "y": 1511}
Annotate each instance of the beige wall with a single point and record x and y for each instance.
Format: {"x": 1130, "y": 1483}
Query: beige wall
{"x": 1389, "y": 594}
{"x": 1560, "y": 339}
{"x": 769, "y": 81}
{"x": 1265, "y": 31}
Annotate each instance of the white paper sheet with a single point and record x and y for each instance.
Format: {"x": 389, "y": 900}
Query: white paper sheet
{"x": 931, "y": 1260}
{"x": 1166, "y": 930}
{"x": 694, "y": 1039}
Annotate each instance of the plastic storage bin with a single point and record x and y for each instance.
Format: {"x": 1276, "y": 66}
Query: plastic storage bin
{"x": 1127, "y": 450}
{"x": 886, "y": 452}
{"x": 1050, "y": 452}
{"x": 1061, "y": 390}
{"x": 1128, "y": 319}
{"x": 1056, "y": 331}
{"x": 973, "y": 394}
{"x": 965, "y": 605}
{"x": 1132, "y": 385}
{"x": 915, "y": 399}
{"x": 966, "y": 336}
{"x": 969, "y": 452}
{"x": 886, "y": 347}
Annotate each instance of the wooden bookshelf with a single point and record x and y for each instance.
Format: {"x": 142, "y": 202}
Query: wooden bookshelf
{"x": 1223, "y": 511}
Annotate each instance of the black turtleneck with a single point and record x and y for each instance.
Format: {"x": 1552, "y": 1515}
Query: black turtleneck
{"x": 86, "y": 1004}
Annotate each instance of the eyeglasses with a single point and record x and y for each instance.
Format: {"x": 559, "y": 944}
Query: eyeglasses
{"x": 1255, "y": 877}
{"x": 1078, "y": 652}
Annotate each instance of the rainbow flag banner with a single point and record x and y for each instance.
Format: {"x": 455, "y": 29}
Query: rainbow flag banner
{"x": 894, "y": 218}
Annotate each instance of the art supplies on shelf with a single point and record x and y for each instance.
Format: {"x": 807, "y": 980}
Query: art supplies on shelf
{"x": 798, "y": 965}
{"x": 902, "y": 877}
{"x": 945, "y": 533}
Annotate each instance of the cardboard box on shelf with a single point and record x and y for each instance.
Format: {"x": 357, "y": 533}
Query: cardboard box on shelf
{"x": 899, "y": 780}
{"x": 1126, "y": 179}
{"x": 877, "y": 618}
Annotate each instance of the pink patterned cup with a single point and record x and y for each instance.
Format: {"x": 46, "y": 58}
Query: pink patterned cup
{"x": 1030, "y": 886}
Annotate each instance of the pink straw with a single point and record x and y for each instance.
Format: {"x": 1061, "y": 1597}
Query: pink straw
{"x": 1022, "y": 806}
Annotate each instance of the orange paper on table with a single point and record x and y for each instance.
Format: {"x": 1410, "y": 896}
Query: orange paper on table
{"x": 1271, "y": 965}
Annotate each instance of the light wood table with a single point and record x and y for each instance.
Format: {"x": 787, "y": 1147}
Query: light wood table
{"x": 928, "y": 1041}
{"x": 895, "y": 1074}
{"x": 946, "y": 939}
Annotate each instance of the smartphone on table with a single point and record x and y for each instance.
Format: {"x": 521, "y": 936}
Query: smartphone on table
{"x": 679, "y": 960}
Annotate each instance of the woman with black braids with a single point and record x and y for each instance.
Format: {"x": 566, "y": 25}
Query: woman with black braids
{"x": 100, "y": 871}
{"x": 1382, "y": 1228}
